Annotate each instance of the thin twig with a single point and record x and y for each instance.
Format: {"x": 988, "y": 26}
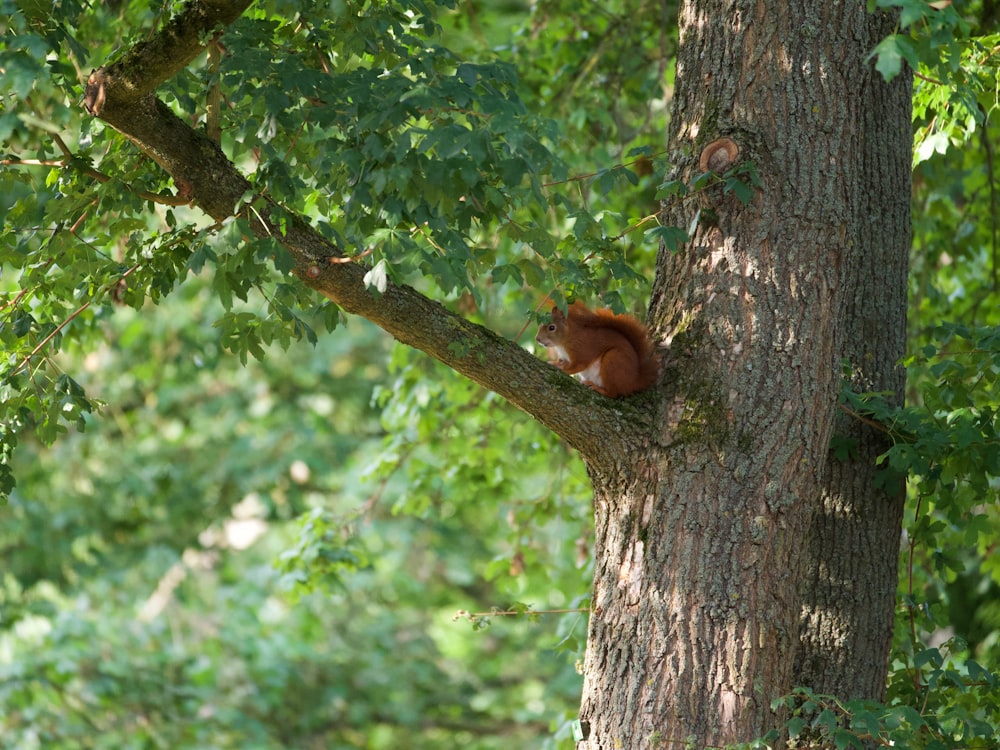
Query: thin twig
{"x": 865, "y": 420}
{"x": 55, "y": 331}
{"x": 166, "y": 200}
{"x": 464, "y": 615}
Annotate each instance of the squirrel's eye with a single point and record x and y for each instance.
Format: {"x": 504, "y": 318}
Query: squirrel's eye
{"x": 552, "y": 326}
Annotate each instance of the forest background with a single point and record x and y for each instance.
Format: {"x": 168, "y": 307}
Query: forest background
{"x": 270, "y": 536}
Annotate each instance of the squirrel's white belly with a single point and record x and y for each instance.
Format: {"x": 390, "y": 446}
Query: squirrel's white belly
{"x": 592, "y": 374}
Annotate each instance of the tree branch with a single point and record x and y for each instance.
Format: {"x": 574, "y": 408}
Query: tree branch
{"x": 148, "y": 64}
{"x": 121, "y": 94}
{"x": 166, "y": 200}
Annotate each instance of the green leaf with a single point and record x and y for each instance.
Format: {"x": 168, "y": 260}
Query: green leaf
{"x": 671, "y": 189}
{"x": 928, "y": 656}
{"x": 866, "y": 721}
{"x": 673, "y": 238}
{"x": 826, "y": 721}
{"x": 795, "y": 725}
{"x": 890, "y": 54}
{"x": 843, "y": 739}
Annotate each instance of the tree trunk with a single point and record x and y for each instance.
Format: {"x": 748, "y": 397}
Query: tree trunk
{"x": 849, "y": 591}
{"x": 703, "y": 538}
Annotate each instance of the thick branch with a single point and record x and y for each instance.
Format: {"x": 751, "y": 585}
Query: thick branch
{"x": 148, "y": 64}
{"x": 600, "y": 428}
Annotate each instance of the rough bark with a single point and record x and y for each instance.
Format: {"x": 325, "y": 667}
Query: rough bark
{"x": 701, "y": 549}
{"x": 849, "y": 591}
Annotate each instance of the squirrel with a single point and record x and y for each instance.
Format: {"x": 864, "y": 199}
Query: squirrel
{"x": 610, "y": 353}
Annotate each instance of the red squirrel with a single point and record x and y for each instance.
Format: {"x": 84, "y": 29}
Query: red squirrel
{"x": 610, "y": 353}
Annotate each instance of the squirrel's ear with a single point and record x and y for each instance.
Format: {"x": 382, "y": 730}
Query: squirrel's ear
{"x": 557, "y": 315}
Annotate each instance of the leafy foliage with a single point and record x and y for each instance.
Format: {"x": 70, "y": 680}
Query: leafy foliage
{"x": 955, "y": 65}
{"x": 958, "y": 709}
{"x": 131, "y": 594}
{"x": 237, "y": 666}
{"x": 486, "y": 154}
{"x": 402, "y": 150}
{"x": 952, "y": 435}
